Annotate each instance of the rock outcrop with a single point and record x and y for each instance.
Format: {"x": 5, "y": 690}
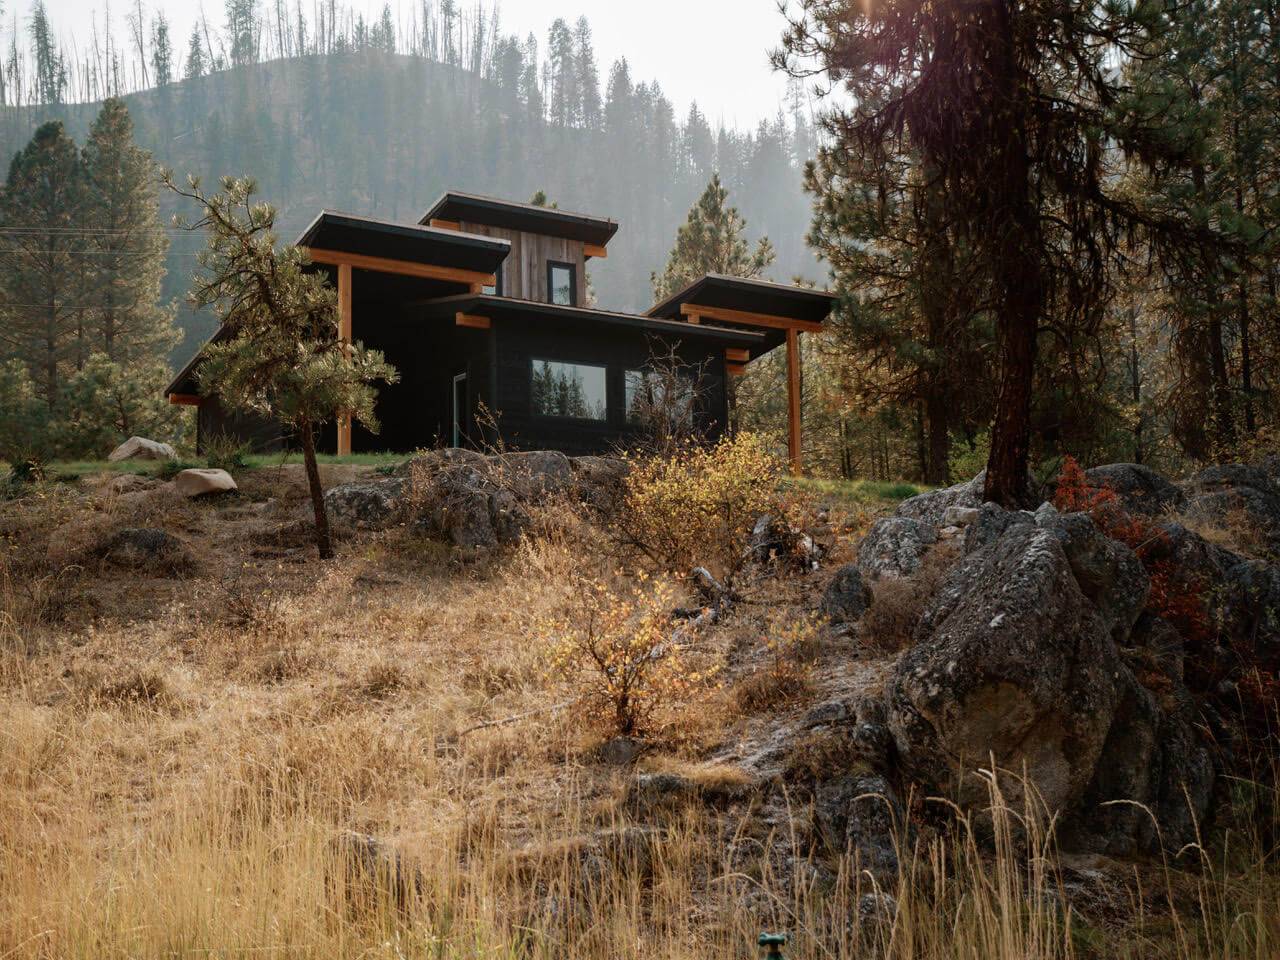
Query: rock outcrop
{"x": 847, "y": 596}
{"x": 1138, "y": 488}
{"x": 145, "y": 550}
{"x": 895, "y": 547}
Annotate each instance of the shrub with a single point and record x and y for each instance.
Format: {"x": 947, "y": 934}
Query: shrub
{"x": 789, "y": 648}
{"x": 696, "y": 507}
{"x": 618, "y": 650}
{"x": 224, "y": 452}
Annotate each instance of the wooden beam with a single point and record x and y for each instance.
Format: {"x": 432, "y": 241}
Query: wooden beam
{"x": 425, "y": 271}
{"x": 344, "y": 333}
{"x": 445, "y": 224}
{"x": 596, "y": 250}
{"x": 692, "y": 317}
{"x": 735, "y": 369}
{"x": 185, "y": 399}
{"x": 793, "y": 400}
{"x": 737, "y": 354}
{"x": 472, "y": 321}
{"x": 724, "y": 315}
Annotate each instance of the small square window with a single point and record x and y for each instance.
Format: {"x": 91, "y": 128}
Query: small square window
{"x": 496, "y": 289}
{"x": 561, "y": 284}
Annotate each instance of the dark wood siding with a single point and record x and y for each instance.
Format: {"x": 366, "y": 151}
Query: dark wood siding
{"x": 520, "y": 343}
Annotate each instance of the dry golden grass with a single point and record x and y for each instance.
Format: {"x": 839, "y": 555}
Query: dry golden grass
{"x": 179, "y": 759}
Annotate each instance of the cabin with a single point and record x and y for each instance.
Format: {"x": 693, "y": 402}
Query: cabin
{"x": 482, "y": 308}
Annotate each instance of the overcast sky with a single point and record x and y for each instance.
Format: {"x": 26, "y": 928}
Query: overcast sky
{"x": 712, "y": 51}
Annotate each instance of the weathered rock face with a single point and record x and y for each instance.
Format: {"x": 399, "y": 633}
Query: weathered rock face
{"x": 1140, "y": 489}
{"x": 148, "y": 550}
{"x": 368, "y": 505}
{"x": 140, "y": 448}
{"x": 1107, "y": 571}
{"x": 847, "y": 597}
{"x": 1217, "y": 490}
{"x": 894, "y": 547}
{"x": 931, "y": 508}
{"x": 1011, "y": 659}
{"x": 202, "y": 483}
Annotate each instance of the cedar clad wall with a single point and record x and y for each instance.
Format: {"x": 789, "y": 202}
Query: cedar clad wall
{"x": 524, "y": 272}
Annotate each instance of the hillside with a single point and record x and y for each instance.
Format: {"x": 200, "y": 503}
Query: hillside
{"x": 383, "y": 134}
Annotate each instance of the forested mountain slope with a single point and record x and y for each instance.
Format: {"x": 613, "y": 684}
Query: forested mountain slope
{"x": 382, "y": 133}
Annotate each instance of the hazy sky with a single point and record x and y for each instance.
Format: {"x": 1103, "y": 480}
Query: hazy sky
{"x": 714, "y": 51}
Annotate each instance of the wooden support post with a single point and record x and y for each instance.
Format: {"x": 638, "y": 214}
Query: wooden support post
{"x": 793, "y": 400}
{"x": 471, "y": 320}
{"x": 344, "y": 332}
{"x": 737, "y": 354}
{"x": 596, "y": 250}
{"x": 186, "y": 399}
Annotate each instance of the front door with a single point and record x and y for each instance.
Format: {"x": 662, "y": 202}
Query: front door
{"x": 459, "y": 409}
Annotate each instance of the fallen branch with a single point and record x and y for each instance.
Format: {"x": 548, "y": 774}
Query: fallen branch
{"x": 515, "y": 718}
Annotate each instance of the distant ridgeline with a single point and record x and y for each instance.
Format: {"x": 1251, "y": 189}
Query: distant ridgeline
{"x": 379, "y": 120}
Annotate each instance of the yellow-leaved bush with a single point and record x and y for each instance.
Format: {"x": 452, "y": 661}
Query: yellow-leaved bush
{"x": 617, "y": 647}
{"x": 696, "y": 506}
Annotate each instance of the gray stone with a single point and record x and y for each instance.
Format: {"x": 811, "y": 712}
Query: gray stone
{"x": 140, "y": 448}
{"x": 1011, "y": 659}
{"x": 533, "y": 475}
{"x": 960, "y": 516}
{"x": 368, "y": 504}
{"x": 894, "y": 547}
{"x": 993, "y": 520}
{"x": 1107, "y": 571}
{"x": 601, "y": 482}
{"x": 846, "y": 598}
{"x": 931, "y": 507}
{"x": 1218, "y": 490}
{"x": 1140, "y": 489}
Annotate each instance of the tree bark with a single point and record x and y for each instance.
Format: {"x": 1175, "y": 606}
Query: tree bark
{"x": 937, "y": 418}
{"x": 324, "y": 543}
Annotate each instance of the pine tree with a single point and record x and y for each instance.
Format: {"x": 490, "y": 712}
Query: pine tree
{"x": 243, "y": 26}
{"x": 161, "y": 52}
{"x": 195, "y": 67}
{"x": 41, "y": 257}
{"x": 588, "y": 75}
{"x": 711, "y": 241}
{"x": 51, "y": 70}
{"x": 282, "y": 356}
{"x": 106, "y": 402}
{"x": 566, "y": 99}
{"x": 128, "y": 245}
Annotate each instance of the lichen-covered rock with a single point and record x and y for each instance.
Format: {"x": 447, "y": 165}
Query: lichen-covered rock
{"x": 990, "y": 524}
{"x": 601, "y": 482}
{"x": 847, "y": 597}
{"x": 1107, "y": 571}
{"x": 931, "y": 507}
{"x": 368, "y": 504}
{"x": 1140, "y": 489}
{"x": 894, "y": 547}
{"x": 774, "y": 540}
{"x": 1011, "y": 659}
{"x": 1152, "y": 756}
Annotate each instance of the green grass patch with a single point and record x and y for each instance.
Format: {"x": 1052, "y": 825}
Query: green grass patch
{"x": 69, "y": 471}
{"x": 859, "y": 492}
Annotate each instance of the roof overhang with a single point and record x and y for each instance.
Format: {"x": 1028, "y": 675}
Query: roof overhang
{"x": 482, "y": 305}
{"x": 454, "y": 207}
{"x": 373, "y": 241}
{"x": 756, "y": 304}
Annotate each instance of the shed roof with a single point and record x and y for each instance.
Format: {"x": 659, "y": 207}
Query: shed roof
{"x": 349, "y": 233}
{"x": 750, "y": 296}
{"x": 525, "y": 217}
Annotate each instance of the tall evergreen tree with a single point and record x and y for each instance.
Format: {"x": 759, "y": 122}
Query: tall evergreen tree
{"x": 51, "y": 70}
{"x": 128, "y": 244}
{"x": 42, "y": 257}
{"x": 711, "y": 240}
{"x": 161, "y": 52}
{"x": 565, "y": 97}
{"x": 588, "y": 75}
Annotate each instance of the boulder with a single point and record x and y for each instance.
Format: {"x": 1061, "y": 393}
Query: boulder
{"x": 847, "y": 597}
{"x": 1216, "y": 491}
{"x": 1154, "y": 757}
{"x": 931, "y": 507}
{"x": 1107, "y": 571}
{"x": 991, "y": 523}
{"x": 140, "y": 448}
{"x": 201, "y": 483}
{"x": 145, "y": 549}
{"x": 535, "y": 474}
{"x": 368, "y": 504}
{"x": 1140, "y": 489}
{"x": 773, "y": 539}
{"x": 894, "y": 547}
{"x": 861, "y": 815}
{"x": 1011, "y": 659}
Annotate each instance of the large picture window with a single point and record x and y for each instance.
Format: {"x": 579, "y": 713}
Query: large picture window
{"x": 570, "y": 390}
{"x": 562, "y": 286}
